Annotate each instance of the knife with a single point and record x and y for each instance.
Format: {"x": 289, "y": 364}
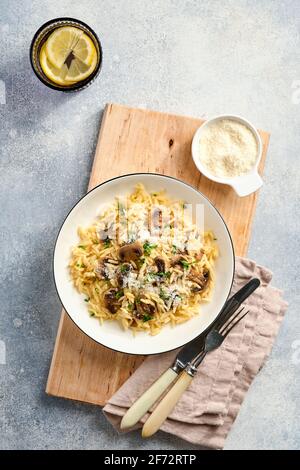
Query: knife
{"x": 213, "y": 340}
{"x": 183, "y": 359}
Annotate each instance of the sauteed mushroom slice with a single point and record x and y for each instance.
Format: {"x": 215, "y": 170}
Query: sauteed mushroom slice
{"x": 143, "y": 309}
{"x": 122, "y": 272}
{"x": 157, "y": 218}
{"x": 160, "y": 264}
{"x": 199, "y": 279}
{"x": 111, "y": 300}
{"x": 100, "y": 270}
{"x": 131, "y": 251}
{"x": 103, "y": 234}
{"x": 105, "y": 268}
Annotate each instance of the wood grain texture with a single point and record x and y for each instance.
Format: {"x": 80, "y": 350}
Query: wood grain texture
{"x": 135, "y": 140}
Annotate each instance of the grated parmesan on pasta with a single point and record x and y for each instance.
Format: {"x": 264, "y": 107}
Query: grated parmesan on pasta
{"x": 146, "y": 293}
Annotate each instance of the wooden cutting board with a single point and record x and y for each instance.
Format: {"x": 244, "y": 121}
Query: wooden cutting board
{"x": 137, "y": 140}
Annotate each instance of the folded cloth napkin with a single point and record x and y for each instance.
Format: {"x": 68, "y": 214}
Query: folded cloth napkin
{"x": 207, "y": 410}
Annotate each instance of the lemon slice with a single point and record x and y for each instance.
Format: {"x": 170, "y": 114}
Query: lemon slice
{"x": 85, "y": 50}
{"x": 61, "y": 43}
{"x": 79, "y": 70}
{"x": 68, "y": 56}
{"x": 54, "y": 74}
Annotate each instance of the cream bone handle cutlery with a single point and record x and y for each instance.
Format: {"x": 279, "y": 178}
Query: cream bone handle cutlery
{"x": 183, "y": 365}
{"x": 213, "y": 340}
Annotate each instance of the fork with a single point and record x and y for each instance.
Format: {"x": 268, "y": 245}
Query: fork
{"x": 213, "y": 340}
{"x": 158, "y": 388}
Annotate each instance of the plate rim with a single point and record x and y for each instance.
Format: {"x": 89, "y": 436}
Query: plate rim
{"x": 102, "y": 184}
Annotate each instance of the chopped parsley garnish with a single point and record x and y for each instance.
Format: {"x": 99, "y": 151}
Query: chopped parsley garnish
{"x": 137, "y": 300}
{"x": 185, "y": 264}
{"x": 97, "y": 290}
{"x": 174, "y": 249}
{"x": 167, "y": 274}
{"x": 140, "y": 262}
{"x": 154, "y": 194}
{"x": 215, "y": 239}
{"x": 148, "y": 247}
{"x": 163, "y": 295}
{"x": 92, "y": 314}
{"x": 82, "y": 247}
{"x": 107, "y": 242}
{"x": 146, "y": 318}
{"x": 130, "y": 306}
{"x": 119, "y": 294}
{"x": 80, "y": 265}
{"x": 87, "y": 299}
{"x": 153, "y": 276}
{"x": 96, "y": 242}
{"x": 123, "y": 268}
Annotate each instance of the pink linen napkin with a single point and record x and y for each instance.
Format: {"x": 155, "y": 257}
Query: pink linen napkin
{"x": 207, "y": 410}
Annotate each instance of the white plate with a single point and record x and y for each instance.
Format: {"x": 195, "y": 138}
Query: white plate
{"x": 110, "y": 334}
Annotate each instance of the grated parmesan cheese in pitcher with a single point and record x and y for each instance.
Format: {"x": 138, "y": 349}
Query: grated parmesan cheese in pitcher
{"x": 228, "y": 148}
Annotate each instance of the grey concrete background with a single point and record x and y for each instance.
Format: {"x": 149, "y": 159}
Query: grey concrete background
{"x": 192, "y": 57}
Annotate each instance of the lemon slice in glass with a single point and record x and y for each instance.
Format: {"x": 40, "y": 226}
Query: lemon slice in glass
{"x": 60, "y": 44}
{"x": 79, "y": 70}
{"x": 85, "y": 50}
{"x": 66, "y": 40}
{"x": 54, "y": 74}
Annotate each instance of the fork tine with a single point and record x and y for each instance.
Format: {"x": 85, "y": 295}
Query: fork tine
{"x": 224, "y": 316}
{"x": 234, "y": 324}
{"x": 230, "y": 318}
